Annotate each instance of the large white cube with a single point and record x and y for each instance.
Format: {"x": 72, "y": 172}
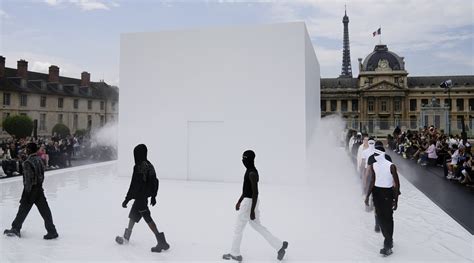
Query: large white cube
{"x": 199, "y": 98}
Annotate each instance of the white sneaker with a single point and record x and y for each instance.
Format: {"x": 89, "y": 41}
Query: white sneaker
{"x": 15, "y": 173}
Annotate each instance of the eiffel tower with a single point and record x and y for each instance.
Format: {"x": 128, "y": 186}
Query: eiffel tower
{"x": 346, "y": 71}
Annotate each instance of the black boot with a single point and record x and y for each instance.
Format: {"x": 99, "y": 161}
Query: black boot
{"x": 162, "y": 244}
{"x": 51, "y": 235}
{"x": 282, "y": 251}
{"x": 12, "y": 232}
{"x": 386, "y": 251}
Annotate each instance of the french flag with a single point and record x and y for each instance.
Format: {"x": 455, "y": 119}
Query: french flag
{"x": 377, "y": 32}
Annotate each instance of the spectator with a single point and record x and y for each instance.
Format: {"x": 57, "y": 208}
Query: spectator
{"x": 430, "y": 157}
{"x": 43, "y": 155}
{"x": 454, "y": 162}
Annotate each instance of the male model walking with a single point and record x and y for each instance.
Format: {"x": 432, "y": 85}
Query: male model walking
{"x": 248, "y": 211}
{"x": 144, "y": 184}
{"x": 385, "y": 188}
{"x": 33, "y": 194}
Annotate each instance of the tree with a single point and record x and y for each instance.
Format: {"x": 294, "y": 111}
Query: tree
{"x": 81, "y": 132}
{"x": 61, "y": 130}
{"x": 19, "y": 126}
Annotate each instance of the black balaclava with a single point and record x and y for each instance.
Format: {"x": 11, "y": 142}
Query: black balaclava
{"x": 140, "y": 153}
{"x": 248, "y": 159}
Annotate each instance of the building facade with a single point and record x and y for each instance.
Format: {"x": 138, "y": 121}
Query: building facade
{"x": 80, "y": 104}
{"x": 383, "y": 96}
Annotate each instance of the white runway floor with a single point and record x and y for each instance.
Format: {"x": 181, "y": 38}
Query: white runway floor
{"x": 322, "y": 222}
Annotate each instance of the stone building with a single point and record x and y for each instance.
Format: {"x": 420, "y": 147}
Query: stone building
{"x": 51, "y": 99}
{"x": 383, "y": 96}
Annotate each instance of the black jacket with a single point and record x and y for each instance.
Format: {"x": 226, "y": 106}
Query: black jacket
{"x": 144, "y": 182}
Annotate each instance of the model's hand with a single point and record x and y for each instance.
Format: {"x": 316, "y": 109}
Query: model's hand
{"x": 124, "y": 204}
{"x": 366, "y": 201}
{"x": 237, "y": 206}
{"x": 252, "y": 215}
{"x": 395, "y": 204}
{"x": 153, "y": 201}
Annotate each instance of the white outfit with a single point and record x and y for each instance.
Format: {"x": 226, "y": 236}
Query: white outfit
{"x": 383, "y": 174}
{"x": 243, "y": 217}
{"x": 455, "y": 157}
{"x": 351, "y": 142}
{"x": 360, "y": 156}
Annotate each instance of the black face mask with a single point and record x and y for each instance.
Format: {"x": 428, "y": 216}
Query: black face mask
{"x": 140, "y": 153}
{"x": 248, "y": 159}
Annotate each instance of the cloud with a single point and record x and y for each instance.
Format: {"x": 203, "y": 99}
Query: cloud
{"x": 88, "y": 5}
{"x": 41, "y": 63}
{"x": 456, "y": 57}
{"x": 85, "y": 5}
{"x": 40, "y": 66}
{"x": 402, "y": 21}
{"x": 4, "y": 15}
{"x": 407, "y": 26}
{"x": 52, "y": 2}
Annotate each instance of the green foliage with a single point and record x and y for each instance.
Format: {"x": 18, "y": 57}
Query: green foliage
{"x": 19, "y": 126}
{"x": 81, "y": 132}
{"x": 61, "y": 130}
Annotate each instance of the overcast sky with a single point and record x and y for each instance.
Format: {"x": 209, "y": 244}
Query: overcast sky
{"x": 434, "y": 36}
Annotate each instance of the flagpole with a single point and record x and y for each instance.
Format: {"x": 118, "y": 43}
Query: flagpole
{"x": 380, "y": 36}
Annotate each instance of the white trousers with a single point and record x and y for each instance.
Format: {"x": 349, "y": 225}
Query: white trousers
{"x": 243, "y": 217}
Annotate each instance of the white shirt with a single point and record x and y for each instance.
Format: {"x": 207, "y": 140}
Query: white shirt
{"x": 360, "y": 156}
{"x": 455, "y": 157}
{"x": 367, "y": 153}
{"x": 383, "y": 173}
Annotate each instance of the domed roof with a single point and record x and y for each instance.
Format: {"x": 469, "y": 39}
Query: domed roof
{"x": 371, "y": 62}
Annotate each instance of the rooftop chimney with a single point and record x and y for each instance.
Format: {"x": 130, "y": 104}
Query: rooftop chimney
{"x": 85, "y": 79}
{"x": 2, "y": 66}
{"x": 53, "y": 74}
{"x": 22, "y": 69}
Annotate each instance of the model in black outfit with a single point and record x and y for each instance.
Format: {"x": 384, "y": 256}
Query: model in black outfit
{"x": 144, "y": 184}
{"x": 33, "y": 194}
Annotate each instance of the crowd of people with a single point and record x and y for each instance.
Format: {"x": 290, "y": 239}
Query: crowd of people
{"x": 431, "y": 147}
{"x": 55, "y": 152}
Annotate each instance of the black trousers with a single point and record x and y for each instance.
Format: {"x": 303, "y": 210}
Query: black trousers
{"x": 140, "y": 209}
{"x": 35, "y": 197}
{"x": 383, "y": 202}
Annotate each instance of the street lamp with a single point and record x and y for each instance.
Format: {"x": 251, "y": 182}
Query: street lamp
{"x": 446, "y": 85}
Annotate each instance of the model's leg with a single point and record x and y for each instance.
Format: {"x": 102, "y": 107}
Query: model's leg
{"x": 23, "y": 210}
{"x": 45, "y": 212}
{"x": 240, "y": 223}
{"x": 269, "y": 237}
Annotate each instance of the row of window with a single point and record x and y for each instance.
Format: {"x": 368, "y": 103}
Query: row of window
{"x": 344, "y": 105}
{"x": 75, "y": 126}
{"x": 447, "y": 102}
{"x": 24, "y": 102}
{"x": 355, "y": 105}
{"x": 397, "y": 105}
